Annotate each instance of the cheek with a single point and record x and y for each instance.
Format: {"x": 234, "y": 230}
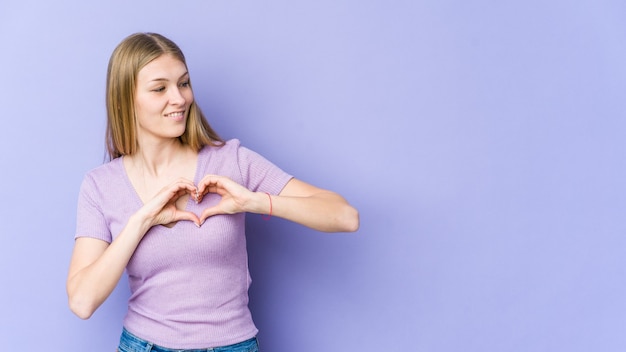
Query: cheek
{"x": 141, "y": 102}
{"x": 146, "y": 106}
{"x": 188, "y": 95}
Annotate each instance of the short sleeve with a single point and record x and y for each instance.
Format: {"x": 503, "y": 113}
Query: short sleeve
{"x": 259, "y": 174}
{"x": 90, "y": 220}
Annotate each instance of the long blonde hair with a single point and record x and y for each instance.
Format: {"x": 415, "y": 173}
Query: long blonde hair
{"x": 128, "y": 58}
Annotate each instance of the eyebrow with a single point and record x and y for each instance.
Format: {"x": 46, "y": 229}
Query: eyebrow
{"x": 165, "y": 79}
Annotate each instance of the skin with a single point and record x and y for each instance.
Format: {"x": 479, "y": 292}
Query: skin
{"x": 161, "y": 172}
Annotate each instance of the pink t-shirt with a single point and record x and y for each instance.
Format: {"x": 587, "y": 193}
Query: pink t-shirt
{"x": 189, "y": 285}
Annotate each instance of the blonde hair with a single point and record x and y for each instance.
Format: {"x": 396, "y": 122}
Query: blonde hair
{"x": 128, "y": 58}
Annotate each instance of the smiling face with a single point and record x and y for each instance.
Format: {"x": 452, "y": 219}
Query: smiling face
{"x": 162, "y": 99}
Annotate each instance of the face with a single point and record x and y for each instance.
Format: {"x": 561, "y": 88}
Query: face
{"x": 162, "y": 99}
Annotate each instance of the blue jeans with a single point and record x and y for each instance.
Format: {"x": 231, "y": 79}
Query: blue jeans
{"x": 132, "y": 343}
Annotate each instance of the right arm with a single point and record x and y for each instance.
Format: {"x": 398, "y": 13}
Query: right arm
{"x": 97, "y": 266}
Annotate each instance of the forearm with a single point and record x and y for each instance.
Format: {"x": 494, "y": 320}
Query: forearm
{"x": 323, "y": 211}
{"x": 89, "y": 287}
{"x": 298, "y": 201}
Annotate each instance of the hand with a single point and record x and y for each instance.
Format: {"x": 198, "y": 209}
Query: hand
{"x": 162, "y": 210}
{"x": 235, "y": 197}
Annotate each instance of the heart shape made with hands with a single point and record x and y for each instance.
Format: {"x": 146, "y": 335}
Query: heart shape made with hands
{"x": 229, "y": 191}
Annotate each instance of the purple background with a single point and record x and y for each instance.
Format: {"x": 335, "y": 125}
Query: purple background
{"x": 482, "y": 142}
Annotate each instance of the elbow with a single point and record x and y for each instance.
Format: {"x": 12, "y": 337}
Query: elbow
{"x": 81, "y": 307}
{"x": 81, "y": 311}
{"x": 355, "y": 221}
{"x": 350, "y": 222}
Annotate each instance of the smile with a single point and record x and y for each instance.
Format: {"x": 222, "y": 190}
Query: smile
{"x": 176, "y": 116}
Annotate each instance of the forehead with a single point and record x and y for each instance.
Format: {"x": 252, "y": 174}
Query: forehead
{"x": 165, "y": 67}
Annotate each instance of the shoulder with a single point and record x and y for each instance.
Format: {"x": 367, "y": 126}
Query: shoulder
{"x": 113, "y": 167}
{"x": 231, "y": 159}
{"x": 230, "y": 148}
{"x": 228, "y": 145}
{"x": 109, "y": 172}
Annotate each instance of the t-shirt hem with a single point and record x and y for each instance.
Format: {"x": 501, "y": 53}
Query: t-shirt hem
{"x": 196, "y": 345}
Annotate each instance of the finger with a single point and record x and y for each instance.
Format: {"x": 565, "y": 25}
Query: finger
{"x": 210, "y": 182}
{"x": 169, "y": 195}
{"x": 188, "y": 216}
{"x": 180, "y": 188}
{"x": 177, "y": 188}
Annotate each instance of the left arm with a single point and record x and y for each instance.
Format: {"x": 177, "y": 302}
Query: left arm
{"x": 299, "y": 202}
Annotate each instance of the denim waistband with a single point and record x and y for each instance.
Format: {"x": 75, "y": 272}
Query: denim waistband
{"x": 132, "y": 343}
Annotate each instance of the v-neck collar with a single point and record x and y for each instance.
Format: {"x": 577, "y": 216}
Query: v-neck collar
{"x": 137, "y": 198}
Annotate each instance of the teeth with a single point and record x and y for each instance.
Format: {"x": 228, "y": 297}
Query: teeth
{"x": 175, "y": 114}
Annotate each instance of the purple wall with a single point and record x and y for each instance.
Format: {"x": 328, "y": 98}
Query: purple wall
{"x": 483, "y": 143}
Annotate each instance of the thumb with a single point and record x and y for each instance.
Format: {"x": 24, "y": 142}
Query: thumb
{"x": 208, "y": 212}
{"x": 188, "y": 216}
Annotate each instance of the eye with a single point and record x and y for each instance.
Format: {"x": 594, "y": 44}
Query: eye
{"x": 159, "y": 89}
{"x": 184, "y": 84}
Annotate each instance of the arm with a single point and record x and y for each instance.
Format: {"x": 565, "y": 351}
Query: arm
{"x": 299, "y": 202}
{"x": 313, "y": 207}
{"x": 97, "y": 266}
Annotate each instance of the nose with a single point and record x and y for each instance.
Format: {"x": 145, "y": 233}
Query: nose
{"x": 176, "y": 97}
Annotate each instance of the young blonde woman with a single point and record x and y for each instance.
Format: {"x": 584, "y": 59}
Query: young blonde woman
{"x": 169, "y": 209}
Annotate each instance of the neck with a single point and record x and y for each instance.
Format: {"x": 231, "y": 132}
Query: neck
{"x": 154, "y": 158}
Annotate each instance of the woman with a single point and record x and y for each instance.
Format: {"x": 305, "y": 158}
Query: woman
{"x": 169, "y": 208}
